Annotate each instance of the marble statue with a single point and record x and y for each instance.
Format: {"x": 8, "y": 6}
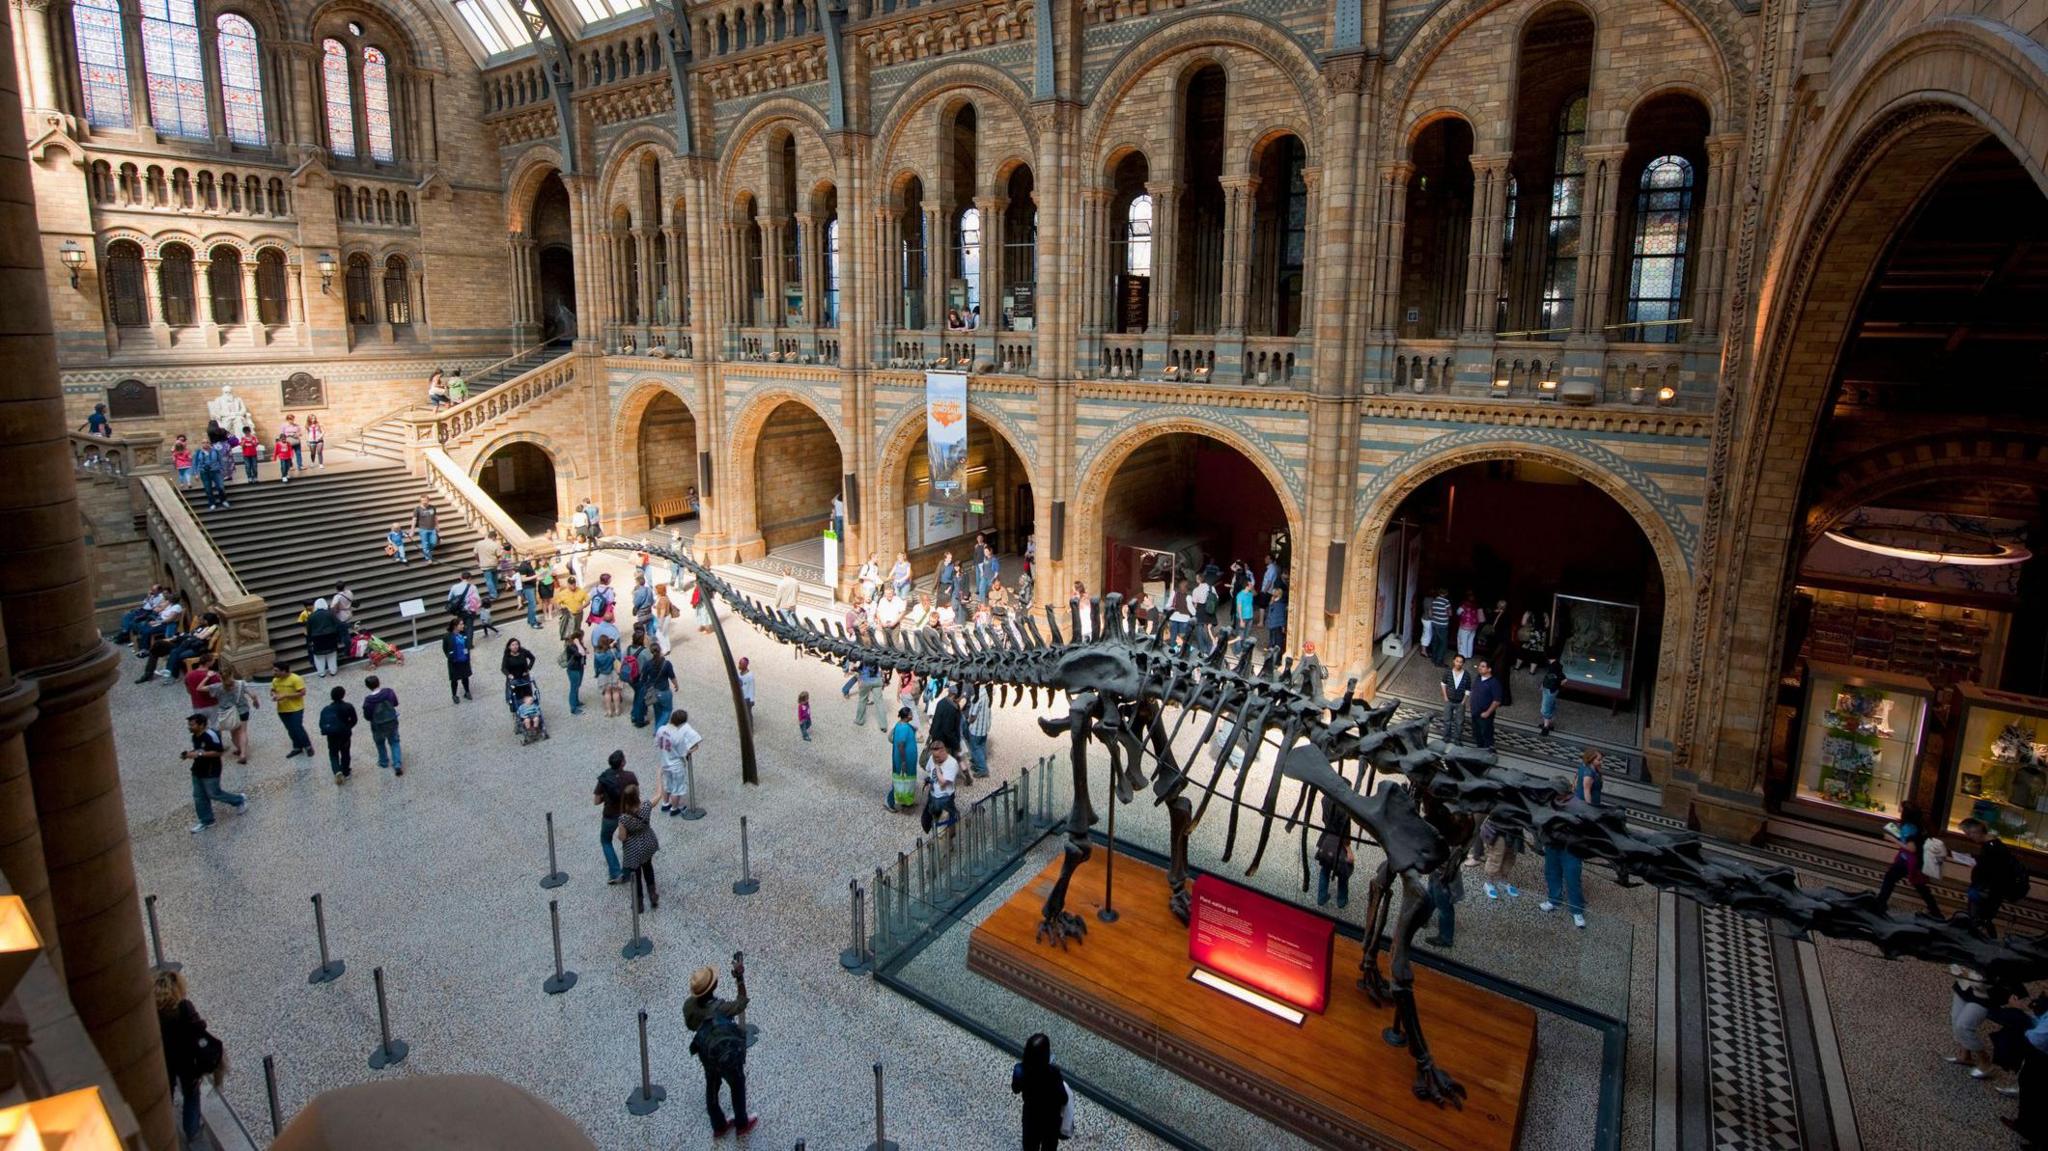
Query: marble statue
{"x": 228, "y": 410}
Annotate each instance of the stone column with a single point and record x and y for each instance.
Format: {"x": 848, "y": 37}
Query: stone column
{"x": 643, "y": 243}
{"x": 672, "y": 239}
{"x": 1239, "y": 200}
{"x": 252, "y": 307}
{"x": 775, "y": 269}
{"x": 1165, "y": 237}
{"x": 1099, "y": 277}
{"x": 991, "y": 209}
{"x": 1710, "y": 277}
{"x": 1489, "y": 234}
{"x": 937, "y": 249}
{"x": 807, "y": 265}
{"x": 295, "y": 296}
{"x": 1312, "y": 181}
{"x": 34, "y": 18}
{"x": 1603, "y": 180}
{"x": 54, "y": 645}
{"x": 202, "y": 290}
{"x": 1394, "y": 180}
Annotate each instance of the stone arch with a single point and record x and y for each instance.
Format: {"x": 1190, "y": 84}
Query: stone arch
{"x": 1098, "y": 468}
{"x": 795, "y": 115}
{"x": 1254, "y": 34}
{"x": 894, "y": 450}
{"x": 937, "y": 86}
{"x": 1685, "y": 82}
{"x": 639, "y": 135}
{"x": 1420, "y": 49}
{"x": 566, "y": 470}
{"x": 1422, "y": 120}
{"x": 421, "y": 33}
{"x": 622, "y": 168}
{"x": 533, "y": 166}
{"x": 1270, "y": 131}
{"x": 1401, "y": 480}
{"x": 628, "y": 415}
{"x": 153, "y": 248}
{"x": 222, "y": 239}
{"x": 739, "y": 494}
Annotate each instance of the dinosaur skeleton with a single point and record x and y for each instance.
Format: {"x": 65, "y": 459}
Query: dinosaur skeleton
{"x": 1120, "y": 684}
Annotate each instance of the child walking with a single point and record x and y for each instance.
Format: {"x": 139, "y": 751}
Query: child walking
{"x": 803, "y": 714}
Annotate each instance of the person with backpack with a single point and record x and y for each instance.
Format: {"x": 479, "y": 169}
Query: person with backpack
{"x": 657, "y": 695}
{"x": 720, "y": 1044}
{"x": 462, "y": 601}
{"x": 1906, "y": 861}
{"x": 213, "y": 465}
{"x": 380, "y": 707}
{"x": 338, "y": 723}
{"x": 191, "y": 1052}
{"x": 1996, "y": 877}
{"x": 1047, "y": 1117}
{"x": 455, "y": 647}
{"x": 323, "y": 638}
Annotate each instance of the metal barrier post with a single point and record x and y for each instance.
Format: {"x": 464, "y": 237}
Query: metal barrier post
{"x": 854, "y": 958}
{"x": 561, "y": 980}
{"x": 637, "y": 944}
{"x": 270, "y": 1089}
{"x": 646, "y": 1098}
{"x": 391, "y": 1052}
{"x": 747, "y": 884}
{"x": 881, "y": 1142}
{"x": 330, "y": 969}
{"x": 156, "y": 943}
{"x": 555, "y": 877}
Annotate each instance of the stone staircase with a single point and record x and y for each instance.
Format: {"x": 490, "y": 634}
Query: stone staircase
{"x": 386, "y": 437}
{"x": 813, "y": 596}
{"x": 290, "y": 542}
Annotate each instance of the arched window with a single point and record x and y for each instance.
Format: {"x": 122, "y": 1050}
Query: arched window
{"x": 357, "y": 291}
{"x": 127, "y": 298}
{"x": 629, "y": 249}
{"x": 224, "y": 285}
{"x": 377, "y": 104}
{"x": 270, "y": 286}
{"x": 341, "y": 116}
{"x": 366, "y": 209}
{"x": 171, "y": 62}
{"x": 397, "y": 294}
{"x": 241, "y": 80}
{"x": 1567, "y": 201}
{"x": 344, "y": 205}
{"x": 969, "y": 270}
{"x": 404, "y": 210}
{"x": 383, "y": 205}
{"x": 101, "y": 180}
{"x": 1656, "y": 274}
{"x": 102, "y": 63}
{"x": 1507, "y": 253}
{"x": 1138, "y": 236}
{"x": 252, "y": 189}
{"x": 174, "y": 269}
{"x": 831, "y": 319}
{"x": 279, "y": 204}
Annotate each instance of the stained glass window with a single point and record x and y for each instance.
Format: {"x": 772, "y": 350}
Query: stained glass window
{"x": 341, "y": 116}
{"x": 177, "y": 78}
{"x": 241, "y": 80}
{"x": 1656, "y": 276}
{"x": 102, "y": 63}
{"x": 1567, "y": 195}
{"x": 377, "y": 104}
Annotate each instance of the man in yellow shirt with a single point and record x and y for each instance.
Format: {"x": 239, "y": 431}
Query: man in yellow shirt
{"x": 288, "y": 691}
{"x": 573, "y": 601}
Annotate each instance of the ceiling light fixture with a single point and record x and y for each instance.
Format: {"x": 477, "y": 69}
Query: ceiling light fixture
{"x": 1930, "y": 546}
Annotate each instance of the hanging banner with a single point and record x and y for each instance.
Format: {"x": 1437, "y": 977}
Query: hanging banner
{"x": 945, "y": 420}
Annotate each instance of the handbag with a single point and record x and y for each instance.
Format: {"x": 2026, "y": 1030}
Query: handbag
{"x": 924, "y": 805}
{"x": 1067, "y": 1114}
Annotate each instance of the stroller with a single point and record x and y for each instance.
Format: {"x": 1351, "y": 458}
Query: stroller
{"x": 522, "y": 697}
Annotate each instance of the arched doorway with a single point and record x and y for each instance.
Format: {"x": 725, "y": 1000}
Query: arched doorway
{"x": 1912, "y": 594}
{"x": 1555, "y": 567}
{"x": 521, "y": 477}
{"x": 797, "y": 472}
{"x": 1182, "y": 501}
{"x": 998, "y": 502}
{"x": 554, "y": 263}
{"x": 667, "y": 453}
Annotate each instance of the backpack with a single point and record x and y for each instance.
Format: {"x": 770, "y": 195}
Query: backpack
{"x": 720, "y": 1044}
{"x": 385, "y": 712}
{"x": 458, "y": 599}
{"x": 1553, "y": 680}
{"x": 632, "y": 667}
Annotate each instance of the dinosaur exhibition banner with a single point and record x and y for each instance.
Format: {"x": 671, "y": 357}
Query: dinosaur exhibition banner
{"x": 1262, "y": 943}
{"x": 945, "y": 423}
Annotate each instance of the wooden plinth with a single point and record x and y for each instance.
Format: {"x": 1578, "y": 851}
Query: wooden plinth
{"x": 1333, "y": 1080}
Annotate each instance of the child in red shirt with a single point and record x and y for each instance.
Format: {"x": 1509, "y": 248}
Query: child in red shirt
{"x": 281, "y": 451}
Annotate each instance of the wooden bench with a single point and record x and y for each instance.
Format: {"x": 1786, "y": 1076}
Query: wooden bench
{"x": 674, "y": 508}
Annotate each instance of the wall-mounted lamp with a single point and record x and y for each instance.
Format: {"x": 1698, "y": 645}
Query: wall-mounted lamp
{"x": 73, "y": 257}
{"x": 1172, "y": 372}
{"x": 1202, "y": 373}
{"x": 326, "y": 262}
{"x": 1501, "y": 384}
{"x": 1666, "y": 396}
{"x": 1546, "y": 389}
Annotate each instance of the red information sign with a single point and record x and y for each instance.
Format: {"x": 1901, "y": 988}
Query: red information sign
{"x": 1262, "y": 943}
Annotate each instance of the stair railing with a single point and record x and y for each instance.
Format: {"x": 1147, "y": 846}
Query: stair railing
{"x": 453, "y": 424}
{"x": 195, "y": 566}
{"x": 475, "y": 506}
{"x": 360, "y": 441}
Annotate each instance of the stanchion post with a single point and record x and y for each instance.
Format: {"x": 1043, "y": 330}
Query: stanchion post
{"x": 881, "y": 1142}
{"x": 884, "y": 924}
{"x": 270, "y": 1089}
{"x": 747, "y": 884}
{"x": 919, "y": 908}
{"x": 1108, "y": 914}
{"x": 330, "y": 969}
{"x": 391, "y": 1052}
{"x": 156, "y": 942}
{"x": 690, "y": 808}
{"x": 561, "y": 980}
{"x": 646, "y": 1098}
{"x": 555, "y": 877}
{"x": 637, "y": 944}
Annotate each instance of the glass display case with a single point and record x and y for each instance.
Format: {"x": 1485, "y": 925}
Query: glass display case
{"x": 1596, "y": 641}
{"x": 1861, "y": 739}
{"x": 1998, "y": 771}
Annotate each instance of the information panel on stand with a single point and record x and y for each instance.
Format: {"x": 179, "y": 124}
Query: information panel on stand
{"x": 1261, "y": 942}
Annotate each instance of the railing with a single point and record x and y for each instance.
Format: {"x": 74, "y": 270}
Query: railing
{"x": 116, "y": 456}
{"x": 925, "y": 887}
{"x": 474, "y": 505}
{"x": 1123, "y": 356}
{"x": 1269, "y": 360}
{"x": 203, "y": 578}
{"x": 453, "y": 424}
{"x": 1192, "y": 355}
{"x": 148, "y": 187}
{"x": 1015, "y": 353}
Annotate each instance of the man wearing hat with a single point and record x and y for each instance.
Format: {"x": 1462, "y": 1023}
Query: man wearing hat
{"x": 720, "y": 1045}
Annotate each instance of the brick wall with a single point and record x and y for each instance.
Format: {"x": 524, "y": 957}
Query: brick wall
{"x": 668, "y": 452}
{"x": 796, "y": 468}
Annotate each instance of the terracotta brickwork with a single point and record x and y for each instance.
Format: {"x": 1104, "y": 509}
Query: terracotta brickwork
{"x": 708, "y": 273}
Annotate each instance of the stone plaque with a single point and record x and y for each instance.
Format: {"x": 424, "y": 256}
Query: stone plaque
{"x": 304, "y": 391}
{"x": 133, "y": 400}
